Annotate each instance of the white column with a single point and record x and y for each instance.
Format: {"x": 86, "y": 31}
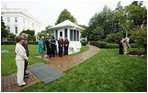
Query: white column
{"x": 68, "y": 34}
{"x": 63, "y": 34}
{"x": 58, "y": 34}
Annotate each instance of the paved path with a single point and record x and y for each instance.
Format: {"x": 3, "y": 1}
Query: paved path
{"x": 8, "y": 83}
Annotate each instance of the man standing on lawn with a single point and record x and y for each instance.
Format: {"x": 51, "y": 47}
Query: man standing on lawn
{"x": 25, "y": 45}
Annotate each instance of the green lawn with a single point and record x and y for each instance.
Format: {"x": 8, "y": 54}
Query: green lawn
{"x": 8, "y": 63}
{"x": 83, "y": 49}
{"x": 107, "y": 71}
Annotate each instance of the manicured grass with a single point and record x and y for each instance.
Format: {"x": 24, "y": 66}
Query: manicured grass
{"x": 107, "y": 71}
{"x": 8, "y": 63}
{"x": 83, "y": 49}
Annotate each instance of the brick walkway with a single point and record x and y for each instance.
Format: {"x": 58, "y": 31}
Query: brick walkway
{"x": 8, "y": 83}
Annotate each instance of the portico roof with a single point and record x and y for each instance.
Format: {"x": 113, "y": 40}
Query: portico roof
{"x": 67, "y": 23}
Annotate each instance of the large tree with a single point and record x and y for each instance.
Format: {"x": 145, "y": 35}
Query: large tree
{"x": 43, "y": 33}
{"x": 4, "y": 31}
{"x": 100, "y": 24}
{"x": 48, "y": 31}
{"x": 137, "y": 14}
{"x": 30, "y": 33}
{"x": 121, "y": 20}
{"x": 65, "y": 15}
{"x": 140, "y": 36}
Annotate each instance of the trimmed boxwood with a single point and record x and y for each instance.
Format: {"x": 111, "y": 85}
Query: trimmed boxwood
{"x": 102, "y": 44}
{"x": 7, "y": 42}
{"x": 111, "y": 45}
{"x": 33, "y": 42}
{"x": 99, "y": 44}
{"x": 83, "y": 43}
{"x": 133, "y": 45}
{"x": 13, "y": 42}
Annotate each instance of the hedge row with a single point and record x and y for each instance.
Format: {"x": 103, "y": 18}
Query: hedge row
{"x": 84, "y": 43}
{"x": 99, "y": 44}
{"x": 102, "y": 44}
{"x": 13, "y": 42}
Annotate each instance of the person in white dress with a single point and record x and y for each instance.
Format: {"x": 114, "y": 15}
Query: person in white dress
{"x": 20, "y": 57}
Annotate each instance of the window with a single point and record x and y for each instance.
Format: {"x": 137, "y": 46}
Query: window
{"x": 8, "y": 29}
{"x": 77, "y": 35}
{"x": 60, "y": 34}
{"x": 8, "y": 19}
{"x": 56, "y": 34}
{"x": 71, "y": 35}
{"x": 74, "y": 35}
{"x": 16, "y": 30}
{"x": 65, "y": 33}
{"x": 15, "y": 19}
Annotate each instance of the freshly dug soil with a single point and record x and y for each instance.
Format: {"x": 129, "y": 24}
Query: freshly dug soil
{"x": 136, "y": 53}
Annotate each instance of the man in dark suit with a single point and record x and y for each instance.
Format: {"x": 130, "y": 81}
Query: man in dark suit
{"x": 25, "y": 45}
{"x": 53, "y": 46}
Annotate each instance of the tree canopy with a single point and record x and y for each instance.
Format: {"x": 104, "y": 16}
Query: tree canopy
{"x": 4, "y": 31}
{"x": 65, "y": 15}
{"x": 30, "y": 33}
{"x": 121, "y": 20}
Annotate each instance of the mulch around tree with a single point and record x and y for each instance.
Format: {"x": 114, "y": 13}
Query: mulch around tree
{"x": 135, "y": 53}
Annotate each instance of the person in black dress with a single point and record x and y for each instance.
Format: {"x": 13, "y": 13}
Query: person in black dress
{"x": 66, "y": 45}
{"x": 120, "y": 47}
{"x": 53, "y": 46}
{"x": 48, "y": 47}
{"x": 60, "y": 44}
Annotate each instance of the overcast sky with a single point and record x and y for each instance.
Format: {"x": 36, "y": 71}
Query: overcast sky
{"x": 47, "y": 11}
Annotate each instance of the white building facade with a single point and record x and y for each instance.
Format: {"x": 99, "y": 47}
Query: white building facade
{"x": 72, "y": 32}
{"x": 16, "y": 20}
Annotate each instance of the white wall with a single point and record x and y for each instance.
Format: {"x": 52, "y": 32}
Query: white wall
{"x": 20, "y": 21}
{"x": 74, "y": 46}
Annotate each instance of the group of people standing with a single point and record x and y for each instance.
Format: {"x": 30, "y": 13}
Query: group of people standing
{"x": 51, "y": 47}
{"x": 22, "y": 54}
{"x": 124, "y": 43}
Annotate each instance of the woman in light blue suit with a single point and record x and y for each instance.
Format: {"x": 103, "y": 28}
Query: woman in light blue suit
{"x": 41, "y": 47}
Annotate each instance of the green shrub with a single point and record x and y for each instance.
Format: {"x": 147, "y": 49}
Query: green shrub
{"x": 111, "y": 45}
{"x": 7, "y": 42}
{"x": 133, "y": 45}
{"x": 8, "y": 39}
{"x": 13, "y": 42}
{"x": 33, "y": 42}
{"x": 83, "y": 43}
{"x": 99, "y": 44}
{"x": 102, "y": 44}
{"x": 12, "y": 36}
{"x": 113, "y": 38}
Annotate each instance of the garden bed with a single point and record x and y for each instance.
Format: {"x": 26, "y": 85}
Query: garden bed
{"x": 135, "y": 53}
